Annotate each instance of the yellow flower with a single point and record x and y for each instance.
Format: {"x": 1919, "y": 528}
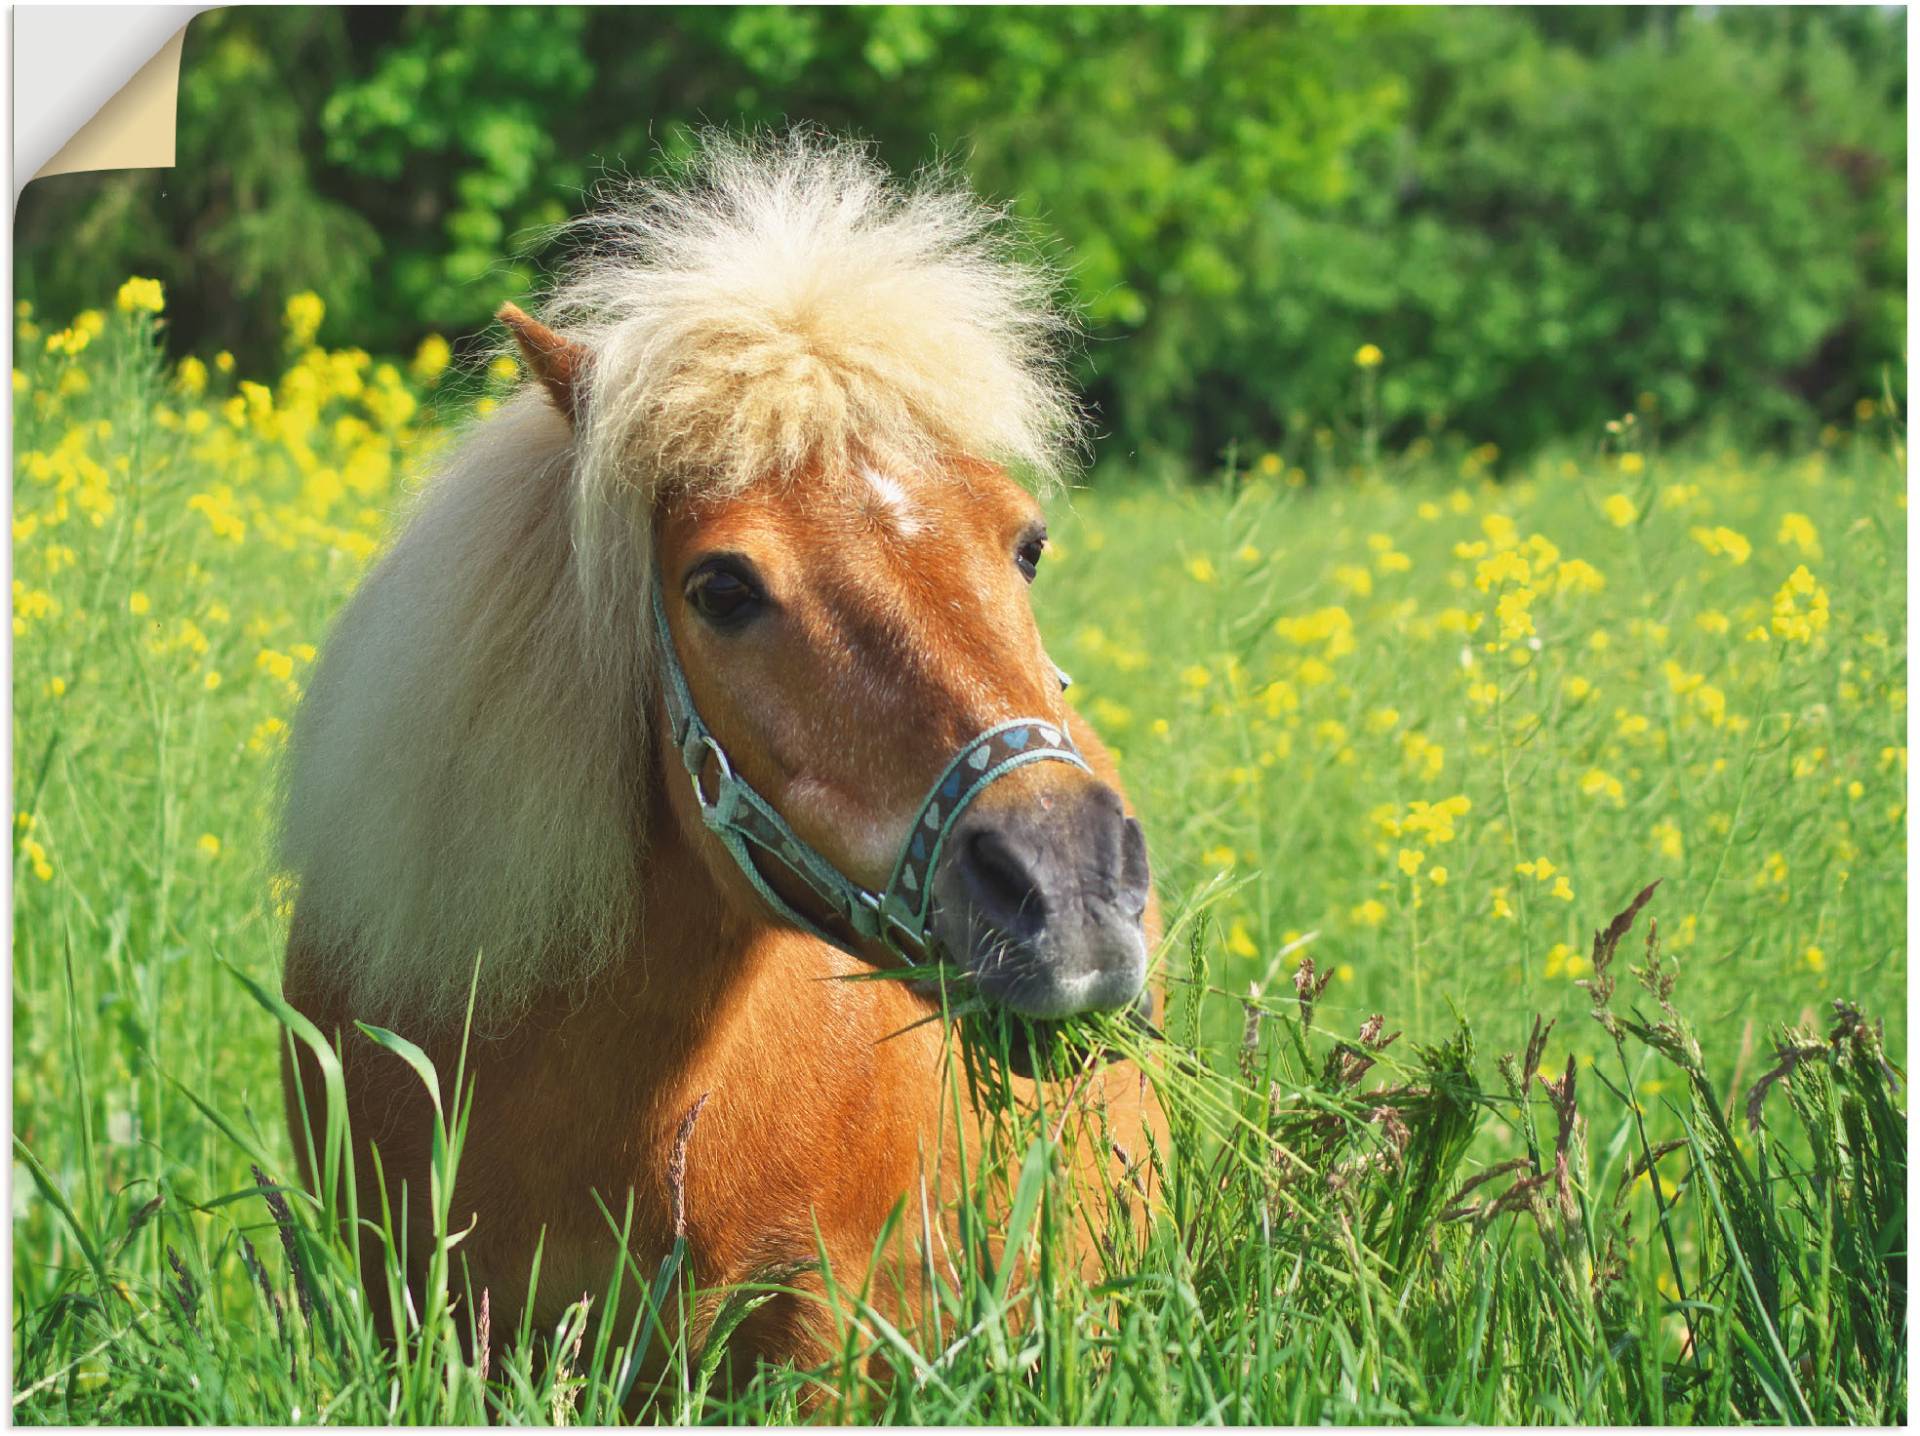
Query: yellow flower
{"x": 1798, "y": 530}
{"x": 1667, "y": 834}
{"x": 1632, "y": 464}
{"x": 1792, "y": 622}
{"x": 1218, "y": 857}
{"x": 209, "y": 845}
{"x": 1500, "y": 569}
{"x": 431, "y": 359}
{"x": 1368, "y": 356}
{"x": 138, "y": 603}
{"x": 303, "y": 315}
{"x": 1578, "y": 576}
{"x": 1369, "y": 913}
{"x": 1195, "y": 676}
{"x": 1512, "y": 609}
{"x": 1354, "y": 579}
{"x": 1619, "y": 510}
{"x": 1437, "y": 876}
{"x": 56, "y": 686}
{"x": 503, "y": 367}
{"x": 274, "y": 663}
{"x": 1723, "y": 542}
{"x": 141, "y": 295}
{"x": 223, "y": 361}
{"x": 1597, "y": 783}
{"x": 1561, "y": 889}
{"x": 1201, "y": 570}
{"x": 1240, "y": 941}
{"x": 212, "y": 680}
{"x": 1815, "y": 959}
{"x": 1411, "y": 860}
{"x": 191, "y": 376}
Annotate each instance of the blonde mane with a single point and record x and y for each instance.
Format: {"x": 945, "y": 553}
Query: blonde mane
{"x": 468, "y": 771}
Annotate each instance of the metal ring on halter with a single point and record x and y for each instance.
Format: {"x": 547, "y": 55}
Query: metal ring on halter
{"x": 897, "y": 918}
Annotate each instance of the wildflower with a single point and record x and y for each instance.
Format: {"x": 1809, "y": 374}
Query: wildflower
{"x": 1500, "y": 569}
{"x": 1561, "y": 889}
{"x": 1632, "y": 464}
{"x": 1619, "y": 510}
{"x": 212, "y": 680}
{"x": 36, "y": 857}
{"x": 139, "y": 296}
{"x": 1354, "y": 578}
{"x": 1370, "y": 913}
{"x": 56, "y": 687}
{"x": 1815, "y": 959}
{"x": 1368, "y": 356}
{"x": 1565, "y": 960}
{"x": 430, "y": 360}
{"x": 1576, "y": 575}
{"x": 1667, "y": 835}
{"x": 1792, "y": 622}
{"x": 138, "y": 603}
{"x": 1723, "y": 542}
{"x": 503, "y": 368}
{"x": 1597, "y": 783}
{"x": 303, "y": 315}
{"x": 223, "y": 361}
{"x": 1218, "y": 857}
{"x": 1512, "y": 609}
{"x": 191, "y": 376}
{"x": 1201, "y": 570}
{"x": 1798, "y": 530}
{"x": 1240, "y": 941}
{"x": 1437, "y": 875}
{"x": 1411, "y": 861}
{"x": 274, "y": 663}
{"x": 1502, "y": 909}
{"x": 1195, "y": 676}
{"x": 208, "y": 845}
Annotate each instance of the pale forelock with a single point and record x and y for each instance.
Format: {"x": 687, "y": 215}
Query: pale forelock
{"x": 469, "y": 767}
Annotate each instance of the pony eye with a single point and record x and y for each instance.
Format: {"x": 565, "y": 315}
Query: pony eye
{"x": 723, "y": 594}
{"x": 1026, "y": 558}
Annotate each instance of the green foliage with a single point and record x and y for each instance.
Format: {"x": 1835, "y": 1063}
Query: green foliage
{"x": 1539, "y": 217}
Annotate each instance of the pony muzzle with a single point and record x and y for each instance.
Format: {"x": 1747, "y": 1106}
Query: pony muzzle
{"x": 1040, "y": 894}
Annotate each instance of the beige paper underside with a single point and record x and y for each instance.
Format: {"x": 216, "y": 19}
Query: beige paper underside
{"x": 134, "y": 129}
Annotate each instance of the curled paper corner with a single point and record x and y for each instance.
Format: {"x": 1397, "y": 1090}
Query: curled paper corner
{"x": 95, "y": 87}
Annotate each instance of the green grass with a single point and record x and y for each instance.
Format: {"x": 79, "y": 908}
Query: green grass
{"x": 1543, "y": 1201}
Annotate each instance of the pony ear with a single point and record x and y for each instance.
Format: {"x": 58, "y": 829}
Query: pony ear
{"x": 559, "y": 364}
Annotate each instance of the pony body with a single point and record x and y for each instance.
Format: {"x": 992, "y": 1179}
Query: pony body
{"x": 788, "y": 369}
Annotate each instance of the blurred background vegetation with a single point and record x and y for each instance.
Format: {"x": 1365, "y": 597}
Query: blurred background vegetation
{"x": 1542, "y": 217}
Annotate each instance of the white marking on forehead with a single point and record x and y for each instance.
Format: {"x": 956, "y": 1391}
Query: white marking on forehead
{"x": 894, "y": 497}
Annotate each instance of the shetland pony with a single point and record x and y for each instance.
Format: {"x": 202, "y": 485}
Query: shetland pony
{"x": 769, "y": 462}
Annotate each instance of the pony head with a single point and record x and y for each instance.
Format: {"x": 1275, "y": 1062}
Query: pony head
{"x": 793, "y": 393}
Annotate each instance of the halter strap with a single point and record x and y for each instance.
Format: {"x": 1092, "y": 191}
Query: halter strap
{"x": 744, "y": 822}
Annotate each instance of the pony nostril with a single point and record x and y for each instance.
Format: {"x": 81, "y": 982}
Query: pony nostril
{"x": 1001, "y": 886}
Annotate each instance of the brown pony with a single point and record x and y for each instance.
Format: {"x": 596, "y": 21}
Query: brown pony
{"x": 784, "y": 412}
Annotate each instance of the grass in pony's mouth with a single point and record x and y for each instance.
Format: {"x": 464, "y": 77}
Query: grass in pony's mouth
{"x": 1041, "y": 1049}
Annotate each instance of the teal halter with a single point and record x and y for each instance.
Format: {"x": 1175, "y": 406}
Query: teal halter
{"x": 745, "y": 822}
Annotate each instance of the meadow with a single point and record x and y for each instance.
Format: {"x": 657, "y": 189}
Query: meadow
{"x": 1408, "y": 732}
